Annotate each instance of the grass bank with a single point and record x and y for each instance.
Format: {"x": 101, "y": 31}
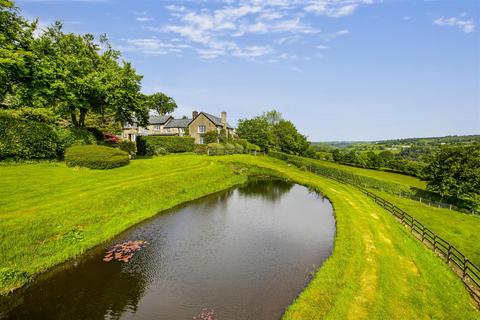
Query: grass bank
{"x": 377, "y": 270}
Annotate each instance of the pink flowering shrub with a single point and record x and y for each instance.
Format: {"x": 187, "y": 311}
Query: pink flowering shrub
{"x": 205, "y": 314}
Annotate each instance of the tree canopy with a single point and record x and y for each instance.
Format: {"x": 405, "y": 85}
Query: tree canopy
{"x": 161, "y": 103}
{"x": 455, "y": 171}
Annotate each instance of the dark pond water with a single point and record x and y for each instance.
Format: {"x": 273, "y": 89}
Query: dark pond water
{"x": 245, "y": 254}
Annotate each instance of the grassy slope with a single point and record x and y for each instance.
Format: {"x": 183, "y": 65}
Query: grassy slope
{"x": 377, "y": 271}
{"x": 378, "y": 174}
{"x": 460, "y": 229}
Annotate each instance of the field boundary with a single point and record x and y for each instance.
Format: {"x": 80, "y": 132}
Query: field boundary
{"x": 461, "y": 265}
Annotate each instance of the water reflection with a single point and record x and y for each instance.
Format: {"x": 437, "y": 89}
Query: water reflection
{"x": 246, "y": 253}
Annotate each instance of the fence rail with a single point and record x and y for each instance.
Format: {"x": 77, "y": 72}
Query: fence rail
{"x": 462, "y": 266}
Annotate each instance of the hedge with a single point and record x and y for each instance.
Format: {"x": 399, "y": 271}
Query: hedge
{"x": 96, "y": 157}
{"x": 26, "y": 139}
{"x": 72, "y": 137}
{"x": 170, "y": 144}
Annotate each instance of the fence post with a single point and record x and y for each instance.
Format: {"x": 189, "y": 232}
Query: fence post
{"x": 435, "y": 243}
{"x": 450, "y": 207}
{"x": 420, "y": 199}
{"x": 423, "y": 233}
{"x": 465, "y": 268}
{"x": 449, "y": 252}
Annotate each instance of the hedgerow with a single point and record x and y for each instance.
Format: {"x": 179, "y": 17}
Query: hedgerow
{"x": 96, "y": 157}
{"x": 170, "y": 144}
{"x": 25, "y": 139}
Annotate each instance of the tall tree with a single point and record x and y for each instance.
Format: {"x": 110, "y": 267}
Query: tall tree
{"x": 16, "y": 36}
{"x": 257, "y": 131}
{"x": 455, "y": 171}
{"x": 288, "y": 139}
{"x": 273, "y": 117}
{"x": 161, "y": 103}
{"x": 76, "y": 76}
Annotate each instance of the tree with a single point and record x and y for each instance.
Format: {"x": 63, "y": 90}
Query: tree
{"x": 16, "y": 36}
{"x": 288, "y": 139}
{"x": 257, "y": 131}
{"x": 76, "y": 76}
{"x": 455, "y": 171}
{"x": 161, "y": 103}
{"x": 273, "y": 117}
{"x": 210, "y": 136}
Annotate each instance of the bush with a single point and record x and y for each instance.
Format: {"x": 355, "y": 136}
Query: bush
{"x": 210, "y": 136}
{"x": 25, "y": 139}
{"x": 229, "y": 148}
{"x": 168, "y": 143}
{"x": 253, "y": 147}
{"x": 96, "y": 157}
{"x": 215, "y": 149}
{"x": 201, "y": 149}
{"x": 238, "y": 148}
{"x": 73, "y": 137}
{"x": 128, "y": 146}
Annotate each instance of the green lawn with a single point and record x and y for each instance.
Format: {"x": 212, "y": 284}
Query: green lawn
{"x": 49, "y": 213}
{"x": 460, "y": 229}
{"x": 386, "y": 176}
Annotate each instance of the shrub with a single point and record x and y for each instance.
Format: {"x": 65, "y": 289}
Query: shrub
{"x": 253, "y": 147}
{"x": 128, "y": 146}
{"x": 210, "y": 136}
{"x": 238, "y": 148}
{"x": 168, "y": 143}
{"x": 73, "y": 137}
{"x": 229, "y": 148}
{"x": 243, "y": 143}
{"x": 216, "y": 149}
{"x": 110, "y": 138}
{"x": 201, "y": 148}
{"x": 25, "y": 139}
{"x": 96, "y": 157}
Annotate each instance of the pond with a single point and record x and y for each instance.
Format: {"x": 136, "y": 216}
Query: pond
{"x": 245, "y": 253}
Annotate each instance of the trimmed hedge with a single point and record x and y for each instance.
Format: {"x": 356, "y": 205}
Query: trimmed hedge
{"x": 73, "y": 137}
{"x": 25, "y": 139}
{"x": 170, "y": 144}
{"x": 96, "y": 157}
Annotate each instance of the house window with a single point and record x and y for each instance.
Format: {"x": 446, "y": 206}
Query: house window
{"x": 156, "y": 127}
{"x": 201, "y": 129}
{"x": 201, "y": 140}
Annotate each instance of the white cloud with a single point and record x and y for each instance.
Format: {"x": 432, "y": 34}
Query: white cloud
{"x": 152, "y": 46}
{"x": 406, "y": 18}
{"x": 322, "y": 47}
{"x": 466, "y": 26}
{"x": 335, "y": 8}
{"x": 144, "y": 19}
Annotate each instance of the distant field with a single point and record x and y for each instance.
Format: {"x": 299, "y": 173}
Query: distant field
{"x": 386, "y": 176}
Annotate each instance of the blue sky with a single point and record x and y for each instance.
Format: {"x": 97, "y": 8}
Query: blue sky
{"x": 340, "y": 69}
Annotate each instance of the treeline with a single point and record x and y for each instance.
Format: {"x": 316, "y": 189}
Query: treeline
{"x": 270, "y": 131}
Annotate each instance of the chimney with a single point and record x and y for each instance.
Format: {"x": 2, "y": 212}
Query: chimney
{"x": 194, "y": 114}
{"x": 224, "y": 119}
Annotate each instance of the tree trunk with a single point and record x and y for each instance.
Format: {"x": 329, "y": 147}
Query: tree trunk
{"x": 74, "y": 119}
{"x": 81, "y": 121}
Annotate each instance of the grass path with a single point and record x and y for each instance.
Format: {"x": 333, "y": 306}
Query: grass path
{"x": 377, "y": 270}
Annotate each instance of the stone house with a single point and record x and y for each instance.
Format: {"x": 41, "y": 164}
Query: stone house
{"x": 166, "y": 125}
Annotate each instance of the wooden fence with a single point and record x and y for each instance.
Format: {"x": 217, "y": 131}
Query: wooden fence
{"x": 462, "y": 266}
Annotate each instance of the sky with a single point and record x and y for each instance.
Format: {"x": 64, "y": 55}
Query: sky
{"x": 339, "y": 69}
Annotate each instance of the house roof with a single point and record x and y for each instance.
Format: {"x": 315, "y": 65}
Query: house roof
{"x": 158, "y": 119}
{"x": 178, "y": 123}
{"x": 216, "y": 120}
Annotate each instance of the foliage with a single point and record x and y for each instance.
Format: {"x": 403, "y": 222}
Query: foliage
{"x": 171, "y": 144}
{"x": 96, "y": 157}
{"x": 215, "y": 148}
{"x": 273, "y": 117}
{"x": 44, "y": 115}
{"x": 455, "y": 171}
{"x": 288, "y": 139}
{"x": 229, "y": 148}
{"x": 160, "y": 102}
{"x": 16, "y": 36}
{"x": 68, "y": 137}
{"x": 201, "y": 149}
{"x": 257, "y": 131}
{"x": 210, "y": 136}
{"x": 128, "y": 146}
{"x": 24, "y": 139}
{"x": 75, "y": 76}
